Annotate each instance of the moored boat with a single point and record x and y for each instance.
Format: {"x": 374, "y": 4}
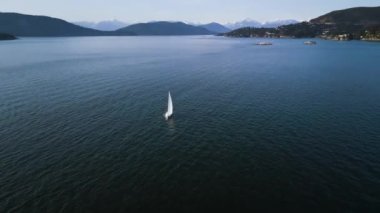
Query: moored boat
{"x": 310, "y": 42}
{"x": 264, "y": 43}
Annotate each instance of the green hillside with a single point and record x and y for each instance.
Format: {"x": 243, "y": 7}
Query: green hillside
{"x": 165, "y": 28}
{"x": 28, "y": 25}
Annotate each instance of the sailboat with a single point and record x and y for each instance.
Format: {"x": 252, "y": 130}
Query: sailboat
{"x": 169, "y": 113}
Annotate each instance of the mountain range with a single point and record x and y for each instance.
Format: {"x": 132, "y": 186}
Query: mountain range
{"x": 360, "y": 22}
{"x": 213, "y": 26}
{"x": 113, "y": 25}
{"x": 44, "y": 26}
{"x": 110, "y": 25}
{"x": 279, "y": 23}
{"x": 30, "y": 25}
{"x": 165, "y": 28}
{"x": 257, "y": 24}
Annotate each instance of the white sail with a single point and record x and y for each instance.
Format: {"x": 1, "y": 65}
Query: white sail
{"x": 170, "y": 107}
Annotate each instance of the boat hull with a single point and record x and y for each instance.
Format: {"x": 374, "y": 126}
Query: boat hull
{"x": 167, "y": 116}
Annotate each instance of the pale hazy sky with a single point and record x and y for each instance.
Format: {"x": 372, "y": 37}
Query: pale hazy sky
{"x": 201, "y": 11}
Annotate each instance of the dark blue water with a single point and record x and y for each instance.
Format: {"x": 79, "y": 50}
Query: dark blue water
{"x": 274, "y": 128}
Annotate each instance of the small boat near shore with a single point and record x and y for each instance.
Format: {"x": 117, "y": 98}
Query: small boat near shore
{"x": 263, "y": 43}
{"x": 310, "y": 42}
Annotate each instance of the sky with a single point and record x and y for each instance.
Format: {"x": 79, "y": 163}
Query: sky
{"x": 195, "y": 11}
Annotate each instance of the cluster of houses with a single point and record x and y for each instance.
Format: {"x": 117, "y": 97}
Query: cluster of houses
{"x": 371, "y": 36}
{"x": 340, "y": 37}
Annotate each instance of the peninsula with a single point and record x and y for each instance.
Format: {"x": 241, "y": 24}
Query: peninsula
{"x": 5, "y": 36}
{"x": 361, "y": 23}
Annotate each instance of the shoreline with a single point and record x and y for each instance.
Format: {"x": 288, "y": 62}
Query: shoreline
{"x": 290, "y": 37}
{"x": 7, "y": 37}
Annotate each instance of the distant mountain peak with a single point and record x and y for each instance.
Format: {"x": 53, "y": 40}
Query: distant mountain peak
{"x": 248, "y": 22}
{"x": 278, "y": 23}
{"x": 215, "y": 27}
{"x": 244, "y": 23}
{"x": 107, "y": 25}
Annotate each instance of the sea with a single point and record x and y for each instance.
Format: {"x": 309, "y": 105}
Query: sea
{"x": 281, "y": 128}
